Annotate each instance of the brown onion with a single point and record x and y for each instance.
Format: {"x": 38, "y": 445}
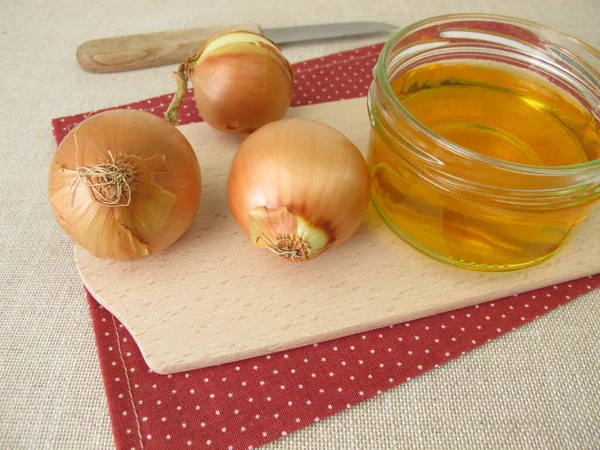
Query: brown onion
{"x": 124, "y": 184}
{"x": 241, "y": 82}
{"x": 298, "y": 187}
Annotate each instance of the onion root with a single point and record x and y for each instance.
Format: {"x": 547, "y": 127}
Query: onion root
{"x": 109, "y": 183}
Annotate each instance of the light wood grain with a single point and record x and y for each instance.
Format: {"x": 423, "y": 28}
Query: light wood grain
{"x": 116, "y": 54}
{"x": 212, "y": 298}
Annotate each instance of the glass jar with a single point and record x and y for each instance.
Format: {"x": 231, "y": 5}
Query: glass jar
{"x": 485, "y": 139}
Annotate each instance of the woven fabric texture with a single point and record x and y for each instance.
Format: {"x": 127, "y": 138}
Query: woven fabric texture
{"x": 534, "y": 388}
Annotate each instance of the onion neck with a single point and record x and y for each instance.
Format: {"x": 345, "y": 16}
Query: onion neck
{"x": 290, "y": 237}
{"x": 181, "y": 78}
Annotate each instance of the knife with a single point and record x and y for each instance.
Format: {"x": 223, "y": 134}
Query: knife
{"x": 117, "y": 54}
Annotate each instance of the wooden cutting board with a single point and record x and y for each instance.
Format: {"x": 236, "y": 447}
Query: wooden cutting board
{"x": 211, "y": 298}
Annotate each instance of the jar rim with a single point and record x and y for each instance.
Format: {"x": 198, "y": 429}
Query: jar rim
{"x": 381, "y": 75}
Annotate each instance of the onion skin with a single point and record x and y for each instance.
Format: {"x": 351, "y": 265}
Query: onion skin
{"x": 236, "y": 102}
{"x": 307, "y": 168}
{"x": 241, "y": 82}
{"x": 165, "y": 193}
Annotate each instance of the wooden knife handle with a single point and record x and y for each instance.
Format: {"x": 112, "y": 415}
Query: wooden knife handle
{"x": 117, "y": 54}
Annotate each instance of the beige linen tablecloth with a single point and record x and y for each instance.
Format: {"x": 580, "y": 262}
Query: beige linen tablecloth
{"x": 537, "y": 387}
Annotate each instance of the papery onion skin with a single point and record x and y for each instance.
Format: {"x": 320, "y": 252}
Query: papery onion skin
{"x": 307, "y": 168}
{"x": 165, "y": 192}
{"x": 241, "y": 82}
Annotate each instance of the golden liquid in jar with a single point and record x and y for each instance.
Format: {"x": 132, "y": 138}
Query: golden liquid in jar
{"x": 496, "y": 110}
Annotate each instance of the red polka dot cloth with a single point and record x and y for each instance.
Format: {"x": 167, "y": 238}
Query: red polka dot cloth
{"x": 248, "y": 403}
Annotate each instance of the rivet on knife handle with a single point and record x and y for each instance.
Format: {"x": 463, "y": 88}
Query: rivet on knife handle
{"x": 139, "y": 51}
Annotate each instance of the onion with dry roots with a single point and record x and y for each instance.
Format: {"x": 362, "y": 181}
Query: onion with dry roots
{"x": 298, "y": 187}
{"x": 124, "y": 184}
{"x": 241, "y": 82}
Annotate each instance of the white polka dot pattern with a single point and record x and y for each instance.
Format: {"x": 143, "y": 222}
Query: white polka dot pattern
{"x": 251, "y": 402}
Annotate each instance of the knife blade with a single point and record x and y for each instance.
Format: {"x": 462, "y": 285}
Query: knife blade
{"x": 117, "y": 54}
{"x": 326, "y": 31}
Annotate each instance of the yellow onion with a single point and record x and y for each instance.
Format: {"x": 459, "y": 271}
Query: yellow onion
{"x": 298, "y": 187}
{"x": 241, "y": 82}
{"x": 124, "y": 184}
